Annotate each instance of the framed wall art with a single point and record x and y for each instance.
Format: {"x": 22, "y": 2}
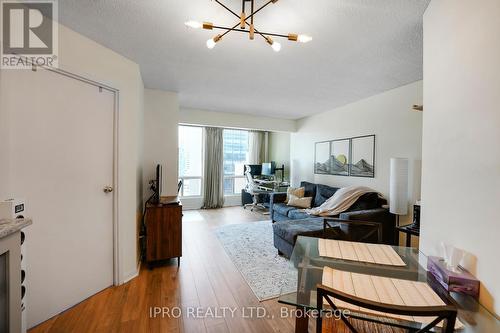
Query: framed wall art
{"x": 322, "y": 158}
{"x": 339, "y": 157}
{"x": 363, "y": 156}
{"x": 353, "y": 157}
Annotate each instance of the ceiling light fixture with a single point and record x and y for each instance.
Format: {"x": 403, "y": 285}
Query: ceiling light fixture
{"x": 247, "y": 21}
{"x": 213, "y": 41}
{"x": 274, "y": 45}
{"x": 193, "y": 24}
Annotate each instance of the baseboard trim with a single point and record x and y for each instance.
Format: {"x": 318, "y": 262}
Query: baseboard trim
{"x": 132, "y": 275}
{"x": 195, "y": 203}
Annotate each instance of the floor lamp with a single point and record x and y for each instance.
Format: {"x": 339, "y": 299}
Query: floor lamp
{"x": 398, "y": 193}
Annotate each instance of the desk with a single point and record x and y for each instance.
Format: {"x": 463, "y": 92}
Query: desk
{"x": 246, "y": 198}
{"x": 273, "y": 185}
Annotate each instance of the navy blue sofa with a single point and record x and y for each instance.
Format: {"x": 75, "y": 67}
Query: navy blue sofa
{"x": 290, "y": 222}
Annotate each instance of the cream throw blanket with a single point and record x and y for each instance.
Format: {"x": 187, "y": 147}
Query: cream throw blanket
{"x": 341, "y": 201}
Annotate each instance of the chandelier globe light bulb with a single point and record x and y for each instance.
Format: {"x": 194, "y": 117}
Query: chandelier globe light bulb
{"x": 211, "y": 43}
{"x": 304, "y": 38}
{"x": 276, "y": 46}
{"x": 193, "y": 24}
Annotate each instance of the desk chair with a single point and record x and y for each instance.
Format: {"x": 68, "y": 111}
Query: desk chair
{"x": 255, "y": 190}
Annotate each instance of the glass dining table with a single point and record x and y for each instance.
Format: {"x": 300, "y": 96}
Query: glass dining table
{"x": 308, "y": 264}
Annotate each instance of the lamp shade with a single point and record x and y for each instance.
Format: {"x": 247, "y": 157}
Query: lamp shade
{"x": 398, "y": 193}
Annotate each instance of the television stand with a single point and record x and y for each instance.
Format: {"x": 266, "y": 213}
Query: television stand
{"x": 164, "y": 230}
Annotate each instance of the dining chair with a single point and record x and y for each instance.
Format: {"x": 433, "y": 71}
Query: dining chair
{"x": 446, "y": 313}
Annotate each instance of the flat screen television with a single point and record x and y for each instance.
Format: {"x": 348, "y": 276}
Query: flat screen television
{"x": 157, "y": 185}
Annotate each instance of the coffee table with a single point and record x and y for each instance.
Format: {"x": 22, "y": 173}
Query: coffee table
{"x": 309, "y": 265}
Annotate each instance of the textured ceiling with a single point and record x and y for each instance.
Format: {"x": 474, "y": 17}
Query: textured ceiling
{"x": 360, "y": 48}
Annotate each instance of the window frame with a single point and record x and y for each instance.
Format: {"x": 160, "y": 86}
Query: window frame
{"x": 233, "y": 194}
{"x": 201, "y": 178}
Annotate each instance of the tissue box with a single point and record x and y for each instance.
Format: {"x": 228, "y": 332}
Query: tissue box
{"x": 461, "y": 282}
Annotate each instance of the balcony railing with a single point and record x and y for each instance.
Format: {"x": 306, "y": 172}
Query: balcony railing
{"x": 191, "y": 186}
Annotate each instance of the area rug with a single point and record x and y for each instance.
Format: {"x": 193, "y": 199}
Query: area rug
{"x": 250, "y": 247}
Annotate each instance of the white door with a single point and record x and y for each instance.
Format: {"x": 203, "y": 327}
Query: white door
{"x": 62, "y": 158}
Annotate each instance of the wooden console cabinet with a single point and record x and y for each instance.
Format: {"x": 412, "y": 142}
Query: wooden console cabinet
{"x": 164, "y": 230}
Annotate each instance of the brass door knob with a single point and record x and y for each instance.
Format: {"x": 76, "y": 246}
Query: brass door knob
{"x": 108, "y": 189}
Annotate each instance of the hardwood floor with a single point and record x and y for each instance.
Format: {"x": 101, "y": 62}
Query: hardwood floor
{"x": 206, "y": 279}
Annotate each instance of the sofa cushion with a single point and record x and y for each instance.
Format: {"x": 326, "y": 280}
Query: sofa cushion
{"x": 295, "y": 201}
{"x": 289, "y": 230}
{"x": 298, "y": 214}
{"x": 278, "y": 217}
{"x": 310, "y": 189}
{"x": 297, "y": 192}
{"x": 282, "y": 208}
{"x": 366, "y": 201}
{"x": 323, "y": 193}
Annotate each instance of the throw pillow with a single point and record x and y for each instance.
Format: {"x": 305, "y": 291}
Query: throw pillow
{"x": 296, "y": 191}
{"x": 295, "y": 201}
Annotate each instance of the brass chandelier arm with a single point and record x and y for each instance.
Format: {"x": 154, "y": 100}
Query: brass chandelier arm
{"x": 251, "y": 15}
{"x": 228, "y": 30}
{"x": 252, "y": 11}
{"x": 263, "y": 34}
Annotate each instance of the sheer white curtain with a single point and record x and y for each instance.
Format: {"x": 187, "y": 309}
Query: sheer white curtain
{"x": 257, "y": 147}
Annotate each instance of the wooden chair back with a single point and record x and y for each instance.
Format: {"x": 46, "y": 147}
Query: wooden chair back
{"x": 446, "y": 313}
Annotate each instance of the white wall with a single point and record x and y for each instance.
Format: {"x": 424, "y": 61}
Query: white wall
{"x": 461, "y": 154}
{"x": 82, "y": 56}
{"x": 140, "y": 175}
{"x": 140, "y": 183}
{"x": 233, "y": 120}
{"x": 4, "y": 147}
{"x": 398, "y": 132}
{"x": 161, "y": 114}
{"x": 279, "y": 150}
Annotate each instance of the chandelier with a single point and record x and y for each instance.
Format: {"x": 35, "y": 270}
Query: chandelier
{"x": 246, "y": 25}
